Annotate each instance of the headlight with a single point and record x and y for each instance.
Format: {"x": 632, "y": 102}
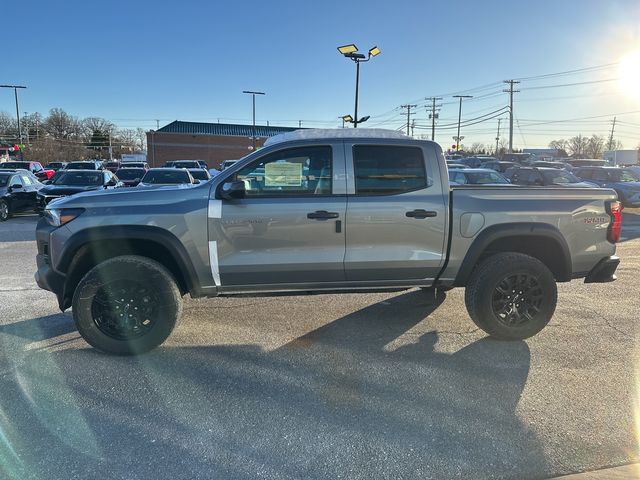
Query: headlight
{"x": 57, "y": 217}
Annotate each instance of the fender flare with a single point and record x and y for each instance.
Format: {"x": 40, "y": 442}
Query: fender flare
{"x": 498, "y": 232}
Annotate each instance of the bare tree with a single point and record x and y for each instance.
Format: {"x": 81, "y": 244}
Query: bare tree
{"x": 8, "y": 126}
{"x": 595, "y": 146}
{"x": 577, "y": 145}
{"x": 561, "y": 144}
{"x": 60, "y": 125}
{"x": 476, "y": 148}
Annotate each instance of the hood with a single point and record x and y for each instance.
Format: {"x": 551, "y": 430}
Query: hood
{"x": 125, "y": 198}
{"x": 68, "y": 189}
{"x": 635, "y": 186}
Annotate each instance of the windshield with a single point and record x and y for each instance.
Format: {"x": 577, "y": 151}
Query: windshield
{"x": 189, "y": 164}
{"x": 130, "y": 173}
{"x": 78, "y": 179}
{"x": 199, "y": 174}
{"x": 24, "y": 165}
{"x": 166, "y": 177}
{"x": 81, "y": 166}
{"x": 559, "y": 176}
{"x": 480, "y": 178}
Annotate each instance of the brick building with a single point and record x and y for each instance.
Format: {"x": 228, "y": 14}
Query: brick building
{"x": 211, "y": 142}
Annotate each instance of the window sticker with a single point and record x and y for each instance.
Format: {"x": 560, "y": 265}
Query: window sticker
{"x": 283, "y": 174}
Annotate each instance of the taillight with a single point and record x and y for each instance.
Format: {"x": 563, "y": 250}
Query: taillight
{"x": 614, "y": 209}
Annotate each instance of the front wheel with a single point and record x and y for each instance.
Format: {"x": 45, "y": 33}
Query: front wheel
{"x": 511, "y": 296}
{"x": 4, "y": 211}
{"x": 127, "y": 305}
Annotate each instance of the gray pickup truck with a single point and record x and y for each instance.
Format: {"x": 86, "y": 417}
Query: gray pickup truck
{"x": 322, "y": 211}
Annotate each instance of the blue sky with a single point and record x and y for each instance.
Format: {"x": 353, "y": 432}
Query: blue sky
{"x": 136, "y": 61}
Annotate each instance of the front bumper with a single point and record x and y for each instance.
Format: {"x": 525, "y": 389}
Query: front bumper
{"x": 604, "y": 271}
{"x": 46, "y": 277}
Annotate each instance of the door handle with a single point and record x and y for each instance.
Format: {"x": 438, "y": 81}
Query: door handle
{"x": 322, "y": 215}
{"x": 421, "y": 214}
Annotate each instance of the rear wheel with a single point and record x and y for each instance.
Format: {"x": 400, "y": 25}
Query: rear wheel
{"x": 4, "y": 210}
{"x": 127, "y": 305}
{"x": 511, "y": 296}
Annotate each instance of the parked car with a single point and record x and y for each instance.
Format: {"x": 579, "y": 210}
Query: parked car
{"x": 18, "y": 193}
{"x": 143, "y": 165}
{"x": 521, "y": 158}
{"x": 130, "y": 177}
{"x": 70, "y": 182}
{"x": 33, "y": 167}
{"x": 406, "y": 228}
{"x": 552, "y": 164}
{"x": 456, "y": 166}
{"x": 586, "y": 162}
{"x": 477, "y": 176}
{"x": 547, "y": 177}
{"x": 624, "y": 181}
{"x": 55, "y": 166}
{"x": 85, "y": 165}
{"x": 189, "y": 164}
{"x": 471, "y": 162}
{"x": 200, "y": 174}
{"x": 498, "y": 165}
{"x": 113, "y": 166}
{"x": 167, "y": 176}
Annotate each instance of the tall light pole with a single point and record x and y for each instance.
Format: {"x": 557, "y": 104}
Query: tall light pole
{"x": 253, "y": 134}
{"x": 15, "y": 92}
{"x": 459, "y": 118}
{"x": 350, "y": 51}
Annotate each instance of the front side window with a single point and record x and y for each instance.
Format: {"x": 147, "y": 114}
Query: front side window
{"x": 388, "y": 170}
{"x": 292, "y": 172}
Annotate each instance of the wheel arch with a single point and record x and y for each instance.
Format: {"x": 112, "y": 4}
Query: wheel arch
{"x": 539, "y": 240}
{"x": 87, "y": 248}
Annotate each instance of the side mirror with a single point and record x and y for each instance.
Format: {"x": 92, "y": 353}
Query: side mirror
{"x": 231, "y": 190}
{"x": 15, "y": 186}
{"x": 196, "y": 181}
{"x": 111, "y": 183}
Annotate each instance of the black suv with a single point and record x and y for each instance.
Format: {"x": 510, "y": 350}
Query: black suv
{"x": 545, "y": 177}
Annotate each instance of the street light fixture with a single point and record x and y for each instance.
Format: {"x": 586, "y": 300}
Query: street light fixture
{"x": 458, "y": 137}
{"x": 350, "y": 51}
{"x": 15, "y": 92}
{"x": 253, "y": 130}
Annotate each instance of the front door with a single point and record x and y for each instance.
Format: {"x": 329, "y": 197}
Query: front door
{"x": 289, "y": 227}
{"x": 396, "y": 214}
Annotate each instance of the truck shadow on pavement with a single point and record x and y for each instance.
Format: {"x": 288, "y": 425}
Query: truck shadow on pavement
{"x": 346, "y": 400}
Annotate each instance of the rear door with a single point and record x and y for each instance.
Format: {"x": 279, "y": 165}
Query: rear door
{"x": 396, "y": 213}
{"x": 288, "y": 229}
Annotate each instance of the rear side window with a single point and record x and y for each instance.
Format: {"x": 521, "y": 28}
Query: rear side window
{"x": 388, "y": 170}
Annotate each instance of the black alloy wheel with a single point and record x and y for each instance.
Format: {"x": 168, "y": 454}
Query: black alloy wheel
{"x": 126, "y": 310}
{"x": 517, "y": 299}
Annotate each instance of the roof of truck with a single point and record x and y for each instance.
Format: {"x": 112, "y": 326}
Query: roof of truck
{"x": 332, "y": 133}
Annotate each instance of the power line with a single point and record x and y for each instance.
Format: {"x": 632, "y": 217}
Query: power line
{"x": 571, "y": 84}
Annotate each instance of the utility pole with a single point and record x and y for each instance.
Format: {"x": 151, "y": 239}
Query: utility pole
{"x": 433, "y": 115}
{"x": 15, "y": 92}
{"x": 459, "y": 118}
{"x": 157, "y": 124}
{"x": 253, "y": 134}
{"x": 498, "y": 136}
{"x": 511, "y": 91}
{"x": 110, "y": 148}
{"x": 299, "y": 123}
{"x": 613, "y": 127}
{"x": 408, "y": 107}
{"x": 413, "y": 125}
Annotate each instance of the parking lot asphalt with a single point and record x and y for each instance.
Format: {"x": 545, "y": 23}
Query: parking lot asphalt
{"x": 326, "y": 386}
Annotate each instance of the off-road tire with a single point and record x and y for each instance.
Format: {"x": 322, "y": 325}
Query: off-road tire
{"x": 485, "y": 291}
{"x": 143, "y": 285}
